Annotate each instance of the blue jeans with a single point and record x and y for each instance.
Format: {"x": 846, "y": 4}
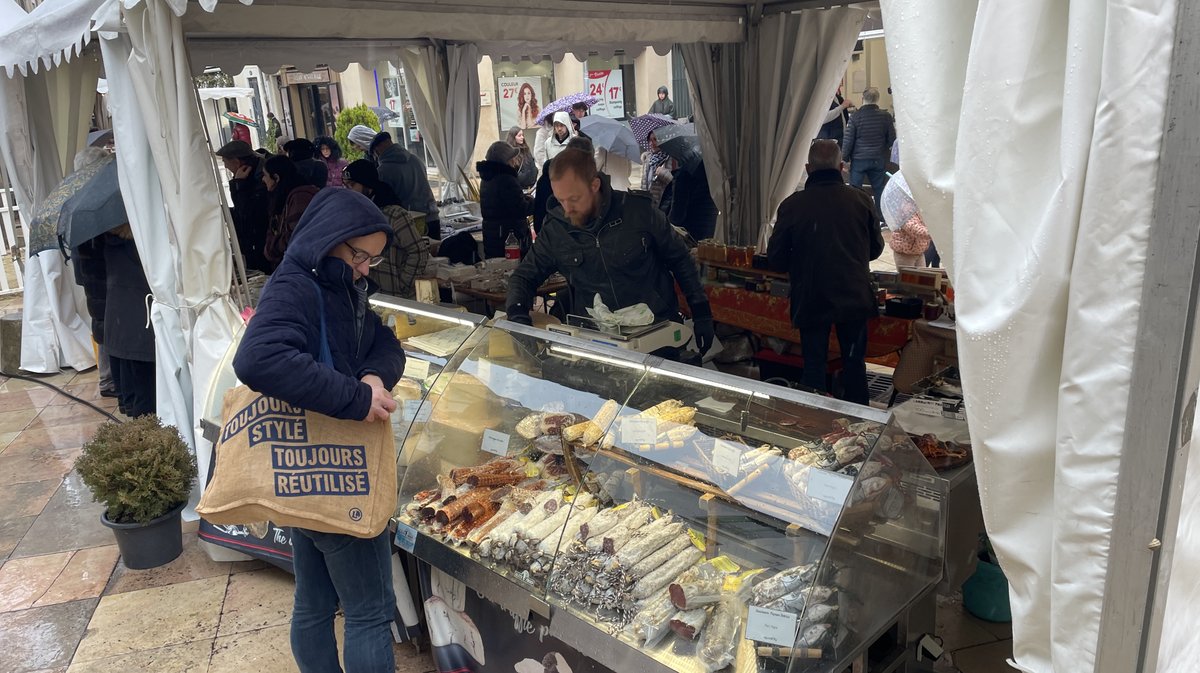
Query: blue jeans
{"x": 357, "y": 573}
{"x": 873, "y": 170}
{"x": 852, "y": 337}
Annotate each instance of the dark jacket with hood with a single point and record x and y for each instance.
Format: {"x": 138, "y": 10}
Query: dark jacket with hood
{"x": 627, "y": 254}
{"x": 127, "y": 334}
{"x": 405, "y": 174}
{"x": 664, "y": 106}
{"x": 504, "y": 207}
{"x": 279, "y": 354}
{"x": 869, "y": 135}
{"x": 251, "y": 216}
{"x": 825, "y": 238}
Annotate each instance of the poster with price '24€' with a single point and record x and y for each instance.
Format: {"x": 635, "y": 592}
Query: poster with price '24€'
{"x": 609, "y": 87}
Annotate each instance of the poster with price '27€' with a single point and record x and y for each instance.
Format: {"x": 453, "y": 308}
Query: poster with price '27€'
{"x": 609, "y": 87}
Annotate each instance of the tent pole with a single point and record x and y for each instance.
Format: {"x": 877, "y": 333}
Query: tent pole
{"x": 1164, "y": 385}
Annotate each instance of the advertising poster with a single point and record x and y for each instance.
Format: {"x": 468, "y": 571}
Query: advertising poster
{"x": 609, "y": 87}
{"x": 521, "y": 100}
{"x": 470, "y": 633}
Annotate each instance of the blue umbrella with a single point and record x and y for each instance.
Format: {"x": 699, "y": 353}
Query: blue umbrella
{"x": 43, "y": 227}
{"x": 612, "y": 135}
{"x": 95, "y": 209}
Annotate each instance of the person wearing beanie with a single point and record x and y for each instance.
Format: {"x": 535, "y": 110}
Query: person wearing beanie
{"x": 362, "y": 136}
{"x": 405, "y": 173}
{"x": 408, "y": 255}
{"x": 503, "y": 204}
{"x": 316, "y": 344}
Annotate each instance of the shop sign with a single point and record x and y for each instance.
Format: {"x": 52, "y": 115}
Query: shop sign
{"x": 609, "y": 87}
{"x": 315, "y": 77}
{"x": 521, "y": 100}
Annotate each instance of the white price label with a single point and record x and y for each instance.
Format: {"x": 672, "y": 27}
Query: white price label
{"x": 417, "y": 411}
{"x": 828, "y": 486}
{"x": 416, "y": 368}
{"x": 637, "y": 430}
{"x": 771, "y": 626}
{"x": 727, "y": 457}
{"x": 406, "y": 537}
{"x": 495, "y": 442}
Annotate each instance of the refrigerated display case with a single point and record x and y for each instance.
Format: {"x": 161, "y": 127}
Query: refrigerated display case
{"x": 664, "y": 517}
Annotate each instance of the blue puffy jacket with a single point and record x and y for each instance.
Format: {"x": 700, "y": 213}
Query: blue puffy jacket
{"x": 279, "y": 353}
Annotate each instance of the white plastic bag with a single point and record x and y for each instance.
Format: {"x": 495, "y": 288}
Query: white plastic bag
{"x": 637, "y": 315}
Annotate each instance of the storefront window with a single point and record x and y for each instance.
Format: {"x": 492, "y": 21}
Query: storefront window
{"x": 522, "y": 89}
{"x": 612, "y": 80}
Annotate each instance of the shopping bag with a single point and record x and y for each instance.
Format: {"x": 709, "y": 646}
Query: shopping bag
{"x": 298, "y": 468}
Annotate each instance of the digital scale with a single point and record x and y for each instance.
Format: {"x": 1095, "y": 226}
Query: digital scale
{"x": 642, "y": 339}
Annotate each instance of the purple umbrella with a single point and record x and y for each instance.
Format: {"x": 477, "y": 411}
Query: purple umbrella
{"x": 565, "y": 104}
{"x": 643, "y": 125}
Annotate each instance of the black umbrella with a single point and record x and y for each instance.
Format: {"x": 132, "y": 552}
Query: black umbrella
{"x": 43, "y": 226}
{"x": 93, "y": 210}
{"x": 681, "y": 144}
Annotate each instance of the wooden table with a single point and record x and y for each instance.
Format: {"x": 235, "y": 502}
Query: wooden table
{"x": 498, "y": 299}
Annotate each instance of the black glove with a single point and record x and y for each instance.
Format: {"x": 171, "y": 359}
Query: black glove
{"x": 521, "y": 319}
{"x": 702, "y": 326}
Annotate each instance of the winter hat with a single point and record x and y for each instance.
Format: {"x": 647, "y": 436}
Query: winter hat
{"x": 363, "y": 172}
{"x": 236, "y": 149}
{"x": 500, "y": 152}
{"x": 361, "y": 135}
{"x": 383, "y": 136}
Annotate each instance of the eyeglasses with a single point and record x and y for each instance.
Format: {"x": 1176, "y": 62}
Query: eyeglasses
{"x": 360, "y": 256}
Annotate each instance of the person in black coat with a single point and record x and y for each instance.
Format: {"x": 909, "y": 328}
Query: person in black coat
{"x": 303, "y": 153}
{"x": 504, "y": 207}
{"x": 251, "y": 202}
{"x": 127, "y": 335}
{"x": 825, "y": 238}
{"x": 87, "y": 259}
{"x": 692, "y": 206}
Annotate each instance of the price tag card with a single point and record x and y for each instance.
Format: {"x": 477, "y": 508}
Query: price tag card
{"x": 416, "y": 368}
{"x": 406, "y": 537}
{"x": 727, "y": 457}
{"x": 495, "y": 442}
{"x": 771, "y": 626}
{"x": 637, "y": 430}
{"x": 828, "y": 486}
{"x": 417, "y": 411}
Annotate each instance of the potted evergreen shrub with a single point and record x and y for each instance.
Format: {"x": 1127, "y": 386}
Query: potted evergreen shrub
{"x": 143, "y": 473}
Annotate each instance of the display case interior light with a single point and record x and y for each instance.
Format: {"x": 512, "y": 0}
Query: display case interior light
{"x": 382, "y": 303}
{"x": 705, "y": 382}
{"x": 596, "y": 357}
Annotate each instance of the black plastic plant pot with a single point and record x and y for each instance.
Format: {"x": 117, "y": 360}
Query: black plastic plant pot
{"x": 149, "y": 545}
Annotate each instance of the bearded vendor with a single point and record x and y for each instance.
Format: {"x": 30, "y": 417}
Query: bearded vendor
{"x": 608, "y": 243}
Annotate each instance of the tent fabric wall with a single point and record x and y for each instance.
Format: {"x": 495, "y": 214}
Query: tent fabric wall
{"x": 797, "y": 59}
{"x": 1048, "y": 268}
{"x": 55, "y": 329}
{"x": 48, "y": 36}
{"x": 716, "y": 81}
{"x": 443, "y": 81}
{"x": 170, "y": 189}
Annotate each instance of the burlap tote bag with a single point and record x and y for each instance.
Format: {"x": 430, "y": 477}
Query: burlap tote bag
{"x": 280, "y": 463}
{"x": 299, "y": 468}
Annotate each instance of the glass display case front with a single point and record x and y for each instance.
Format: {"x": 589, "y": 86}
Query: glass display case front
{"x": 703, "y": 520}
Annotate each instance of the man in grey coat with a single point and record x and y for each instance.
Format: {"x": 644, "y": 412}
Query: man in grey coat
{"x": 405, "y": 174}
{"x": 867, "y": 145}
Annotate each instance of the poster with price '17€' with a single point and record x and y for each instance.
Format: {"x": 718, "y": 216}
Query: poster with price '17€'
{"x": 609, "y": 87}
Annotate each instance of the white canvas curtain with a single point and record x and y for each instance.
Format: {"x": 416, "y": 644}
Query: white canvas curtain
{"x": 443, "y": 83}
{"x": 798, "y": 60}
{"x": 171, "y": 193}
{"x": 55, "y": 331}
{"x": 717, "y": 83}
{"x": 1031, "y": 131}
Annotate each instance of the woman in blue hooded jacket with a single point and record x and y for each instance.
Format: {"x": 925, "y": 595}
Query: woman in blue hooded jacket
{"x": 324, "y": 277}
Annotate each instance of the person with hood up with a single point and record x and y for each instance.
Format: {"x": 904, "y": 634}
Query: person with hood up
{"x": 361, "y": 136}
{"x": 663, "y": 105}
{"x": 302, "y": 152}
{"x": 527, "y": 172}
{"x": 331, "y": 153}
{"x": 408, "y": 254}
{"x": 504, "y": 207}
{"x": 406, "y": 175}
{"x": 290, "y": 197}
{"x": 612, "y": 244}
{"x": 321, "y": 290}
{"x": 553, "y": 137}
